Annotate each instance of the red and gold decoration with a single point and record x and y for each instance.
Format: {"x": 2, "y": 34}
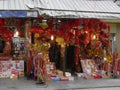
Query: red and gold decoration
{"x": 90, "y": 36}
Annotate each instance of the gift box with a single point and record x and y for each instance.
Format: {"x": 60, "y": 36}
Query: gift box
{"x": 71, "y": 78}
{"x": 7, "y": 68}
{"x": 79, "y": 74}
{"x": 67, "y": 74}
{"x": 97, "y": 76}
{"x": 86, "y": 76}
{"x": 55, "y": 78}
{"x": 14, "y": 77}
{"x": 59, "y": 73}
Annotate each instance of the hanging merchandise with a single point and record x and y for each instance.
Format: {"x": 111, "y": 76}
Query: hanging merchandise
{"x": 59, "y": 40}
{"x": 70, "y": 56}
{"x": 7, "y": 49}
{"x": 41, "y": 45}
{"x": 44, "y": 24}
{"x": 88, "y": 39}
{"x": 95, "y": 34}
{"x": 10, "y": 68}
{"x": 54, "y": 54}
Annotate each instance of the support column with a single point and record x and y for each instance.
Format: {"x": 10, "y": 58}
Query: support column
{"x": 27, "y": 29}
{"x": 27, "y": 60}
{"x": 118, "y": 39}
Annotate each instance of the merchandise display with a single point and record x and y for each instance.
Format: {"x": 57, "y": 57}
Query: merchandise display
{"x": 90, "y": 69}
{"x": 18, "y": 48}
{"x": 10, "y": 68}
{"x": 58, "y": 51}
{"x": 80, "y": 46}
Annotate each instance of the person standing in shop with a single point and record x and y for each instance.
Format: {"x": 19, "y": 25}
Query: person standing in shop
{"x": 54, "y": 54}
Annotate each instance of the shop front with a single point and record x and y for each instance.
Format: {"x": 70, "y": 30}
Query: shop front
{"x": 70, "y": 49}
{"x": 68, "y": 42}
{"x": 13, "y": 38}
{"x": 12, "y": 47}
{"x": 63, "y": 42}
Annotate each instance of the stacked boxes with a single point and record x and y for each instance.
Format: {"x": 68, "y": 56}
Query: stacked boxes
{"x": 7, "y": 68}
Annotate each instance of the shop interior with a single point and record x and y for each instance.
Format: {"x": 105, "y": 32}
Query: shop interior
{"x": 71, "y": 47}
{"x": 12, "y": 47}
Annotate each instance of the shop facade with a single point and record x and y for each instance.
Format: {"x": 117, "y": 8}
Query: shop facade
{"x": 68, "y": 40}
{"x": 13, "y": 26}
{"x": 68, "y": 26}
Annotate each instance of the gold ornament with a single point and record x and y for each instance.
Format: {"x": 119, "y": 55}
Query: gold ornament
{"x": 59, "y": 40}
{"x": 109, "y": 58}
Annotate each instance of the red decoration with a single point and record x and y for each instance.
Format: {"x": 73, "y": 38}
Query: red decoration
{"x": 77, "y": 41}
{"x": 78, "y": 32}
{"x": 86, "y": 42}
{"x": 1, "y": 22}
{"x": 76, "y": 60}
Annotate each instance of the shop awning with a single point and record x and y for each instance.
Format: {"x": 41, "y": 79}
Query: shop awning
{"x": 16, "y": 8}
{"x": 4, "y": 14}
{"x": 103, "y": 9}
{"x": 18, "y": 14}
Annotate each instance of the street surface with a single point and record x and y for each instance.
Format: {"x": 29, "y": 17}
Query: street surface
{"x": 77, "y": 84}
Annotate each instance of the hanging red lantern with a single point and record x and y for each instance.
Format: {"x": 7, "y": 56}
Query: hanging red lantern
{"x": 40, "y": 31}
{"x": 85, "y": 21}
{"x": 86, "y": 41}
{"x": 77, "y": 41}
{"x": 77, "y": 22}
{"x": 67, "y": 41}
{"x": 1, "y": 22}
{"x": 10, "y": 35}
{"x": 86, "y": 35}
{"x": 77, "y": 32}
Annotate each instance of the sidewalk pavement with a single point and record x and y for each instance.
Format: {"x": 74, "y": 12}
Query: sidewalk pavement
{"x": 77, "y": 84}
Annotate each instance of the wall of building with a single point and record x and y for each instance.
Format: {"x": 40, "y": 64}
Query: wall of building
{"x": 115, "y": 31}
{"x": 113, "y": 28}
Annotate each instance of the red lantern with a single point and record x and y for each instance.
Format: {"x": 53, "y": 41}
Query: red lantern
{"x": 77, "y": 41}
{"x": 77, "y": 32}
{"x": 1, "y": 22}
{"x": 86, "y": 41}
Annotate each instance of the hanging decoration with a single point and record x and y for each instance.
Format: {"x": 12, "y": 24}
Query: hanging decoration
{"x": 8, "y": 25}
{"x": 90, "y": 36}
{"x": 59, "y": 40}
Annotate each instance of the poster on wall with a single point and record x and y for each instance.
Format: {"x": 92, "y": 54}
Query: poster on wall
{"x": 89, "y": 66}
